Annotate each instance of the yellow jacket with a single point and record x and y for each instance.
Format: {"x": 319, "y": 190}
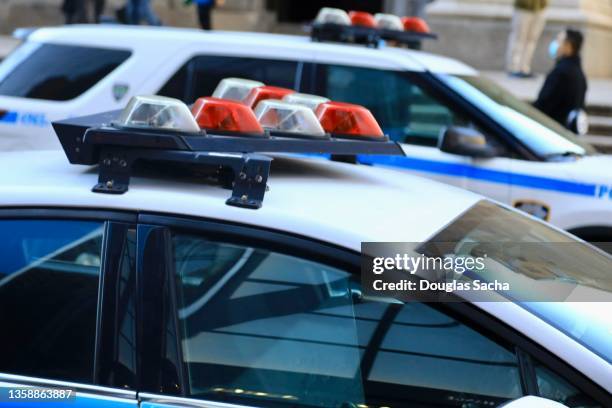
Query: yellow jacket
{"x": 531, "y": 5}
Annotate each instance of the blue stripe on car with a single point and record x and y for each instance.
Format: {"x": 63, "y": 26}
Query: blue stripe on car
{"x": 476, "y": 173}
{"x": 8, "y": 117}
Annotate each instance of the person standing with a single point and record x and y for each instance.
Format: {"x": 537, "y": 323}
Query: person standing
{"x": 205, "y": 10}
{"x": 98, "y": 9}
{"x": 564, "y": 91}
{"x": 528, "y": 23}
{"x": 74, "y": 11}
{"x": 137, "y": 10}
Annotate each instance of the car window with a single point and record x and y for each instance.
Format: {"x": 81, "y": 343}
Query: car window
{"x": 406, "y": 112}
{"x": 533, "y": 128}
{"x": 265, "y": 328}
{"x": 200, "y": 75}
{"x": 49, "y": 273}
{"x": 57, "y": 72}
{"x": 539, "y": 263}
{"x": 553, "y": 387}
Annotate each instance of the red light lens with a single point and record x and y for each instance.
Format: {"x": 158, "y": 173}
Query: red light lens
{"x": 362, "y": 18}
{"x": 226, "y": 115}
{"x": 415, "y": 24}
{"x": 265, "y": 92}
{"x": 348, "y": 119}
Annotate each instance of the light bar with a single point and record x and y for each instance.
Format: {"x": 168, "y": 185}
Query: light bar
{"x": 362, "y": 19}
{"x": 415, "y": 25}
{"x": 225, "y": 115}
{"x": 388, "y": 21}
{"x": 290, "y": 118}
{"x": 308, "y": 100}
{"x": 157, "y": 112}
{"x": 235, "y": 88}
{"x": 341, "y": 118}
{"x": 330, "y": 15}
{"x": 265, "y": 92}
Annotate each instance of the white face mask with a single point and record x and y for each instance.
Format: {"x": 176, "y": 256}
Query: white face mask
{"x": 553, "y": 49}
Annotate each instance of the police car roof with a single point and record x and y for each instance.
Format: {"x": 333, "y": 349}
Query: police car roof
{"x": 340, "y": 203}
{"x": 248, "y": 43}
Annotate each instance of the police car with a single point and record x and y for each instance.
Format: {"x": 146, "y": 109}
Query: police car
{"x": 190, "y": 268}
{"x": 454, "y": 125}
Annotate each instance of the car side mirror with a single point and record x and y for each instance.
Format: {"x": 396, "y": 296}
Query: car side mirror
{"x": 466, "y": 142}
{"x": 531, "y": 401}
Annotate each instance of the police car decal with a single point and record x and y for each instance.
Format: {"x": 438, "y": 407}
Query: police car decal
{"x": 38, "y": 119}
{"x": 493, "y": 176}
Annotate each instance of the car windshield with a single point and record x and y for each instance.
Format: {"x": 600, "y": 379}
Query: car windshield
{"x": 544, "y": 136}
{"x": 543, "y": 266}
{"x": 31, "y": 70}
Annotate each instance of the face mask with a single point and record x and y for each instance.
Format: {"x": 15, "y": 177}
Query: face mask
{"x": 553, "y": 48}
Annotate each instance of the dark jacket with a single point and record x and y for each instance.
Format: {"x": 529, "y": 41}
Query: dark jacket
{"x": 564, "y": 90}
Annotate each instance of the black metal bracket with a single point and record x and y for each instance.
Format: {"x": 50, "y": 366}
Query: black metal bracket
{"x": 248, "y": 172}
{"x": 115, "y": 168}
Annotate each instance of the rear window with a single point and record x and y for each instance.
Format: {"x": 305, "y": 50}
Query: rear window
{"x": 56, "y": 72}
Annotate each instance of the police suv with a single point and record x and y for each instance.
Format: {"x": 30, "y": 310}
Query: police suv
{"x": 454, "y": 125}
{"x": 189, "y": 269}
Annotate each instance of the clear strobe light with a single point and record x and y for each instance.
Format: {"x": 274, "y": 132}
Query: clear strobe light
{"x": 157, "y": 112}
{"x": 236, "y": 89}
{"x": 332, "y": 16}
{"x": 287, "y": 117}
{"x": 308, "y": 100}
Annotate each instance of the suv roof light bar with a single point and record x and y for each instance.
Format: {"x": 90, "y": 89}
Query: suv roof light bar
{"x": 239, "y": 162}
{"x": 335, "y": 25}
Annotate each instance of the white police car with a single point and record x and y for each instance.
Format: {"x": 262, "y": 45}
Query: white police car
{"x": 493, "y": 143}
{"x": 156, "y": 290}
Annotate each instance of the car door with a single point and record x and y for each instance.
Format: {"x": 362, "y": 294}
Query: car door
{"x": 256, "y": 318}
{"x": 415, "y": 114}
{"x": 55, "y": 269}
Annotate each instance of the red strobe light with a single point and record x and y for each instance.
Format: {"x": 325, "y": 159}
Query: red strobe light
{"x": 362, "y": 18}
{"x": 348, "y": 119}
{"x": 415, "y": 24}
{"x": 265, "y": 92}
{"x": 225, "y": 115}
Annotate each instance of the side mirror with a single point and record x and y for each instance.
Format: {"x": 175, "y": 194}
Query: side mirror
{"x": 466, "y": 142}
{"x": 530, "y": 402}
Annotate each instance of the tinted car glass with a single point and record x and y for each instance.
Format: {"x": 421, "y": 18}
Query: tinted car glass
{"x": 528, "y": 125}
{"x": 555, "y": 388}
{"x": 406, "y": 112}
{"x": 536, "y": 258}
{"x": 264, "y": 328}
{"x": 59, "y": 72}
{"x": 49, "y": 272}
{"x": 200, "y": 75}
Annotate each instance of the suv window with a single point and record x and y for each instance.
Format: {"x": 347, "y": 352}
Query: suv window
{"x": 200, "y": 75}
{"x": 406, "y": 112}
{"x": 49, "y": 272}
{"x": 57, "y": 72}
{"x": 266, "y": 328}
